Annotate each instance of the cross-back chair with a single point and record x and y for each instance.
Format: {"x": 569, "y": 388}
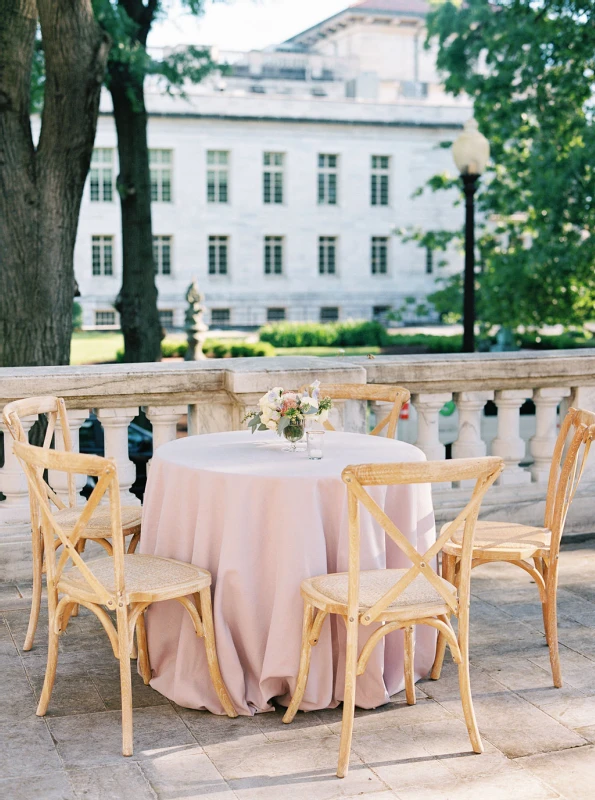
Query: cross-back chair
{"x": 396, "y": 598}
{"x": 381, "y": 393}
{"x": 520, "y": 544}
{"x": 122, "y": 583}
{"x": 54, "y": 409}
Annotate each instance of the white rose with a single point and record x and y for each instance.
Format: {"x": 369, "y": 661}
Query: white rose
{"x": 272, "y": 425}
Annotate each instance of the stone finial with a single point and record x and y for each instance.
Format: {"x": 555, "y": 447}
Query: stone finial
{"x": 196, "y": 327}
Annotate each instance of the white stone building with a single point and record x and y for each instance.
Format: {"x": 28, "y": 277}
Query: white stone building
{"x": 280, "y": 184}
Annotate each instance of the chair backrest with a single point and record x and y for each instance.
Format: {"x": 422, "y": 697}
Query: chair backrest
{"x": 37, "y": 459}
{"x": 54, "y": 409}
{"x": 483, "y": 470}
{"x": 568, "y": 463}
{"x": 382, "y": 393}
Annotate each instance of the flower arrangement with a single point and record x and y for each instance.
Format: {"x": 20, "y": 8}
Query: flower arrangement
{"x": 280, "y": 410}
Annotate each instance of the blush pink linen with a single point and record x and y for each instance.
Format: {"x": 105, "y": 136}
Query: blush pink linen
{"x": 262, "y": 520}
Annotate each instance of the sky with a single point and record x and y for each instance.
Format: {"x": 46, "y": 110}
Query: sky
{"x": 242, "y": 24}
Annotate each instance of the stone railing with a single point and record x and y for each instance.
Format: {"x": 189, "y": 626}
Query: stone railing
{"x": 215, "y": 395}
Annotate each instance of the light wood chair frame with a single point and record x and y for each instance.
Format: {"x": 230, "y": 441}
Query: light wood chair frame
{"x": 54, "y": 409}
{"x": 318, "y": 606}
{"x": 576, "y": 433}
{"x": 380, "y": 393}
{"x": 95, "y": 595}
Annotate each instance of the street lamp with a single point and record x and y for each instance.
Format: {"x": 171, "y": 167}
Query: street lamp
{"x": 471, "y": 151}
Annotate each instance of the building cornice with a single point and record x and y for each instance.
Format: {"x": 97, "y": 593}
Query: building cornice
{"x": 397, "y": 123}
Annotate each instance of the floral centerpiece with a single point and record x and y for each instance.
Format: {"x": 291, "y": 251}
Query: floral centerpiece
{"x": 286, "y": 412}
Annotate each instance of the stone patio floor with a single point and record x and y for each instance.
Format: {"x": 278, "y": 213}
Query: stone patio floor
{"x": 539, "y": 741}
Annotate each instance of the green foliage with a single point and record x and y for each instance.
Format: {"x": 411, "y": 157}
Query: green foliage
{"x": 77, "y": 316}
{"x": 529, "y": 68}
{"x": 333, "y": 334}
{"x": 219, "y": 348}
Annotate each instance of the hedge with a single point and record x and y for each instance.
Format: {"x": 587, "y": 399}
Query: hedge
{"x": 330, "y": 334}
{"x": 215, "y": 348}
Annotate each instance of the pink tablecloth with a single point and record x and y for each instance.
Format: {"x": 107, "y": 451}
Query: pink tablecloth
{"x": 261, "y": 520}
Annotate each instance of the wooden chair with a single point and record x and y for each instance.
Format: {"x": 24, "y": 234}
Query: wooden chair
{"x": 396, "y": 598}
{"x": 99, "y": 529}
{"x": 515, "y": 544}
{"x": 396, "y": 395}
{"x": 124, "y": 584}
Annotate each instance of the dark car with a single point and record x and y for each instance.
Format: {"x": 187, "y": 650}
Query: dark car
{"x": 140, "y": 449}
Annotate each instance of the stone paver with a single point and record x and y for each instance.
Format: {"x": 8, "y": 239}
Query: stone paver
{"x": 539, "y": 741}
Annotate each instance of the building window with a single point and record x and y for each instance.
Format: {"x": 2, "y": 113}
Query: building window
{"x": 102, "y": 255}
{"x": 104, "y": 319}
{"x": 273, "y": 255}
{"x": 166, "y": 318}
{"x": 379, "y": 313}
{"x": 329, "y": 314}
{"x": 379, "y": 255}
{"x": 160, "y": 163}
{"x": 429, "y": 261}
{"x": 379, "y": 181}
{"x": 275, "y": 314}
{"x": 273, "y": 178}
{"x": 217, "y": 176}
{"x": 101, "y": 175}
{"x": 162, "y": 254}
{"x": 327, "y": 255}
{"x": 220, "y": 316}
{"x": 327, "y": 179}
{"x": 218, "y": 255}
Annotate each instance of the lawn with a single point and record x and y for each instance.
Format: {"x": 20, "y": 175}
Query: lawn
{"x": 95, "y": 347}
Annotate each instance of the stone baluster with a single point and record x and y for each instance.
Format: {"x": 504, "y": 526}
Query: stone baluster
{"x": 58, "y": 480}
{"x": 13, "y": 481}
{"x": 469, "y": 443}
{"x": 380, "y": 411}
{"x": 115, "y": 423}
{"x": 546, "y": 430}
{"x": 428, "y": 435}
{"x": 509, "y": 444}
{"x": 584, "y": 397}
{"x": 164, "y": 420}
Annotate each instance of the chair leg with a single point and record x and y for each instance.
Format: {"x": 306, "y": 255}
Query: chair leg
{"x": 37, "y": 589}
{"x": 125, "y": 681}
{"x": 551, "y": 626}
{"x": 409, "y": 671}
{"x": 212, "y": 660}
{"x": 448, "y": 573}
{"x": 143, "y": 650}
{"x": 50, "y": 670}
{"x": 305, "y": 654}
{"x": 133, "y": 543}
{"x": 348, "y": 698}
{"x": 467, "y": 700}
{"x": 80, "y": 548}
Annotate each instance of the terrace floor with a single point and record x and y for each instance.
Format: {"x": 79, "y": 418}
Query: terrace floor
{"x": 539, "y": 741}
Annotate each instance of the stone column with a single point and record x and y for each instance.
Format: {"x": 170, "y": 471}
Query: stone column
{"x": 164, "y": 420}
{"x": 546, "y": 430}
{"x": 58, "y": 480}
{"x": 428, "y": 408}
{"x": 508, "y": 444}
{"x": 13, "y": 481}
{"x": 381, "y": 411}
{"x": 115, "y": 423}
{"x": 584, "y": 397}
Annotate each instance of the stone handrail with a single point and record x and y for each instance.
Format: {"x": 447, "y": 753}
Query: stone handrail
{"x": 215, "y": 395}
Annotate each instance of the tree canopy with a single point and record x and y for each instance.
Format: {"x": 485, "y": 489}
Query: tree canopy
{"x": 529, "y": 67}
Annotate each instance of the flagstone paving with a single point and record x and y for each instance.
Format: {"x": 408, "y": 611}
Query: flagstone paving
{"x": 539, "y": 741}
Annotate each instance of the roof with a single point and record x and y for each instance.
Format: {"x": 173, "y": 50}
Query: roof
{"x": 387, "y": 8}
{"x": 396, "y": 6}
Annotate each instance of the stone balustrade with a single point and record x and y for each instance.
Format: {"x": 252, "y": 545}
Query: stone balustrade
{"x": 215, "y": 395}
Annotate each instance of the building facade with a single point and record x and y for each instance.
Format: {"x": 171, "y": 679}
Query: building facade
{"x": 279, "y": 184}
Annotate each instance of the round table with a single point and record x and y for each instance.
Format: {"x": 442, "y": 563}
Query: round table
{"x": 262, "y": 519}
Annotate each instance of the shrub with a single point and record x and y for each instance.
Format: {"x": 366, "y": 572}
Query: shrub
{"x": 173, "y": 349}
{"x": 330, "y": 334}
{"x": 77, "y": 316}
{"x": 230, "y": 348}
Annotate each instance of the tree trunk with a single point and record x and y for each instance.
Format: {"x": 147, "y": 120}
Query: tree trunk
{"x": 137, "y": 301}
{"x": 41, "y": 189}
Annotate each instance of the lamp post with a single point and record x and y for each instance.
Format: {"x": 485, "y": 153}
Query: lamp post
{"x": 471, "y": 151}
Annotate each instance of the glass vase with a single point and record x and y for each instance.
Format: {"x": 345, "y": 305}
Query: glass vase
{"x": 294, "y": 433}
